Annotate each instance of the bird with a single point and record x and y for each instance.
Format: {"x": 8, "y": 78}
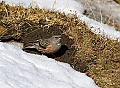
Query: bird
{"x": 47, "y": 46}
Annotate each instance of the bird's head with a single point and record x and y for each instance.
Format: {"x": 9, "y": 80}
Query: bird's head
{"x": 56, "y": 38}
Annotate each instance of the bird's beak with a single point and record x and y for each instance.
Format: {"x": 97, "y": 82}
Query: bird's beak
{"x": 59, "y": 38}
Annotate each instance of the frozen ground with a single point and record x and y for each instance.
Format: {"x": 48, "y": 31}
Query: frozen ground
{"x": 98, "y": 8}
{"x": 71, "y": 6}
{"x": 19, "y": 69}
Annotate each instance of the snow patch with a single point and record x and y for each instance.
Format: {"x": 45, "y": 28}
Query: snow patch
{"x": 73, "y": 7}
{"x": 19, "y": 69}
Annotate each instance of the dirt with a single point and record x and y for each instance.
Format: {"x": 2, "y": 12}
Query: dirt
{"x": 27, "y": 34}
{"x": 83, "y": 50}
{"x": 105, "y": 11}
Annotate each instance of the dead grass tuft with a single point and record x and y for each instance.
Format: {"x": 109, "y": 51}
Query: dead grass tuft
{"x": 97, "y": 56}
{"x": 117, "y": 1}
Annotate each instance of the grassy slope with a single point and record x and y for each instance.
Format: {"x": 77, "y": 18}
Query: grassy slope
{"x": 118, "y": 1}
{"x": 101, "y": 55}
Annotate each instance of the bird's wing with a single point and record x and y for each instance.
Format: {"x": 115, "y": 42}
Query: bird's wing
{"x": 32, "y": 45}
{"x": 44, "y": 43}
{"x": 29, "y": 47}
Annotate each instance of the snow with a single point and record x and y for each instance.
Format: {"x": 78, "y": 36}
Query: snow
{"x": 57, "y": 5}
{"x": 102, "y": 29}
{"x": 19, "y": 69}
{"x": 73, "y": 7}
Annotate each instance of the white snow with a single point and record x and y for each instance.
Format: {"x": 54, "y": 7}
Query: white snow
{"x": 19, "y": 69}
{"x": 102, "y": 29}
{"x": 71, "y": 6}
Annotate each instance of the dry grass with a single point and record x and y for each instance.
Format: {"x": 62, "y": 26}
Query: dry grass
{"x": 99, "y": 14}
{"x": 2, "y": 30}
{"x": 101, "y": 55}
{"x": 118, "y": 1}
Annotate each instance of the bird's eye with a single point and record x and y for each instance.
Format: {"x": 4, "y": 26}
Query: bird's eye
{"x": 56, "y": 37}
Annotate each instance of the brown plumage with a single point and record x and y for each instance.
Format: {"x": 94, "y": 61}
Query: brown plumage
{"x": 47, "y": 46}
